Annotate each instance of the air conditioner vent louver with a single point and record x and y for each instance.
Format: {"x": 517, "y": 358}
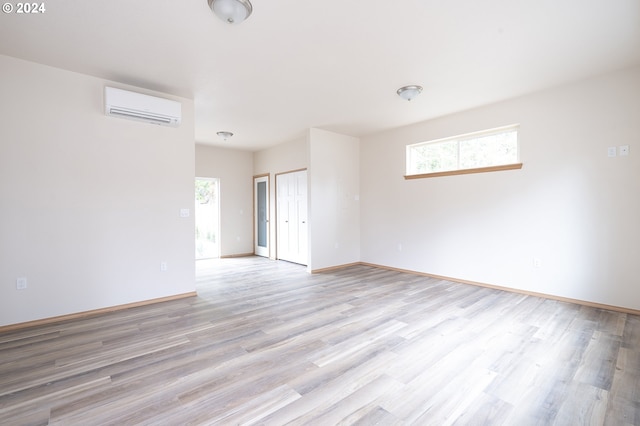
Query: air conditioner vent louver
{"x": 136, "y": 106}
{"x": 143, "y": 116}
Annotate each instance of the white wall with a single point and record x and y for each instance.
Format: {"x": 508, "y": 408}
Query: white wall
{"x": 332, "y": 163}
{"x": 285, "y": 157}
{"x": 570, "y": 206}
{"x": 334, "y": 188}
{"x": 89, "y": 204}
{"x": 234, "y": 168}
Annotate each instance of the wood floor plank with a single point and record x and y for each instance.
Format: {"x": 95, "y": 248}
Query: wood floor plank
{"x": 598, "y": 363}
{"x": 371, "y": 415}
{"x": 258, "y": 408}
{"x": 584, "y": 405}
{"x": 354, "y": 406}
{"x": 454, "y": 399}
{"x": 267, "y": 343}
{"x": 485, "y": 410}
{"x": 322, "y": 398}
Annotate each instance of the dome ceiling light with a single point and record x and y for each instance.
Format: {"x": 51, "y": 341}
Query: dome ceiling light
{"x": 231, "y": 11}
{"x": 224, "y": 135}
{"x": 409, "y": 92}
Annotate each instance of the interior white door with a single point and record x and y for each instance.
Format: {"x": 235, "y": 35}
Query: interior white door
{"x": 291, "y": 195}
{"x": 300, "y": 199}
{"x": 261, "y": 215}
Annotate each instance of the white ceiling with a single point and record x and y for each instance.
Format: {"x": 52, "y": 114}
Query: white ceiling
{"x": 331, "y": 64}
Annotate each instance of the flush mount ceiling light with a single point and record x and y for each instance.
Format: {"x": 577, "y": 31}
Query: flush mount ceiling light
{"x": 409, "y": 92}
{"x": 231, "y": 11}
{"x": 224, "y": 135}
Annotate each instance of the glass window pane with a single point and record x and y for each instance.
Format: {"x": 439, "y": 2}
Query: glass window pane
{"x": 262, "y": 214}
{"x": 434, "y": 157}
{"x": 484, "y": 149}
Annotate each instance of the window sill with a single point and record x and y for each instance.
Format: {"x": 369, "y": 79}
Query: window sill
{"x": 514, "y": 166}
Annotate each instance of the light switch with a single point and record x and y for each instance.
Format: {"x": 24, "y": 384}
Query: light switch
{"x": 184, "y": 212}
{"x": 21, "y": 283}
{"x": 623, "y": 150}
{"x": 611, "y": 151}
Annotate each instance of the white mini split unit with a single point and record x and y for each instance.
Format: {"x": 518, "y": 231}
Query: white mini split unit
{"x": 136, "y": 106}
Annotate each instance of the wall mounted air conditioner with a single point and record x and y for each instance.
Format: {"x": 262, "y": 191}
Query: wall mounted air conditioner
{"x": 136, "y": 106}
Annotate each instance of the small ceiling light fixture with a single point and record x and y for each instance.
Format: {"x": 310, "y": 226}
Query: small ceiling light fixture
{"x": 224, "y": 135}
{"x": 231, "y": 11}
{"x": 409, "y": 92}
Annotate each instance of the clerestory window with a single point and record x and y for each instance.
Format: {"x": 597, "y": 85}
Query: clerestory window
{"x": 489, "y": 150}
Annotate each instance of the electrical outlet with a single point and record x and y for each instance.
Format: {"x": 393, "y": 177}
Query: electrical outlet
{"x": 611, "y": 151}
{"x": 21, "y": 283}
{"x": 623, "y": 150}
{"x": 536, "y": 262}
{"x": 163, "y": 266}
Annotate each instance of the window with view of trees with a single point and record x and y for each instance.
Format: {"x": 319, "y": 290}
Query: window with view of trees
{"x": 480, "y": 150}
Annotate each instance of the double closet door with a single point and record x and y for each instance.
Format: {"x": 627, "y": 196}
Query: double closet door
{"x": 292, "y": 227}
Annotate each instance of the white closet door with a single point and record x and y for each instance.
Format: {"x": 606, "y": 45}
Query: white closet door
{"x": 300, "y": 200}
{"x": 284, "y": 199}
{"x": 292, "y": 244}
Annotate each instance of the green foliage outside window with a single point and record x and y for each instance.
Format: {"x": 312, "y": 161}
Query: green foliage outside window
{"x": 483, "y": 149}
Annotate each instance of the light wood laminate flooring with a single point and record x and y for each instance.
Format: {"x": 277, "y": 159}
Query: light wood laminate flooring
{"x": 266, "y": 343}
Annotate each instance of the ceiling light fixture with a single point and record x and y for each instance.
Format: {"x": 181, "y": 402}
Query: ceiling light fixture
{"x": 231, "y": 11}
{"x": 409, "y": 92}
{"x": 224, "y": 135}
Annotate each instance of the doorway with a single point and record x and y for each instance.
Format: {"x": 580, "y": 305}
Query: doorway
{"x": 207, "y": 218}
{"x": 261, "y": 215}
{"x": 292, "y": 227}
